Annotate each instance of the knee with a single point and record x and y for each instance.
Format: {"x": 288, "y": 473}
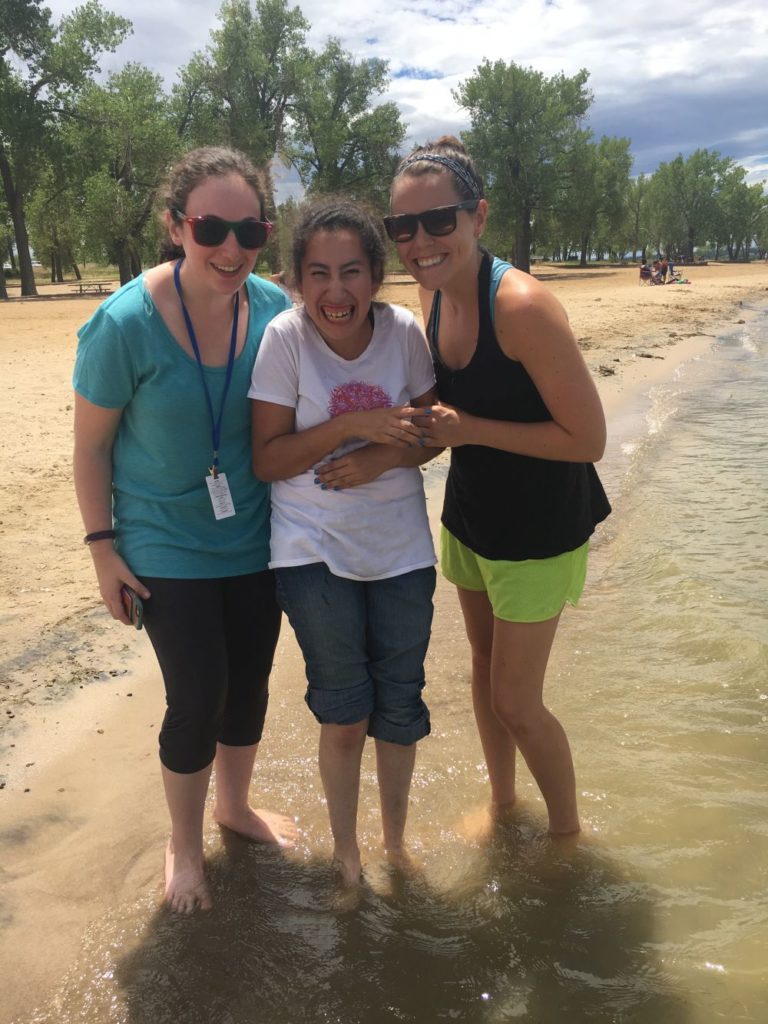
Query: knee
{"x": 189, "y": 734}
{"x": 521, "y": 718}
{"x": 481, "y": 663}
{"x": 346, "y": 738}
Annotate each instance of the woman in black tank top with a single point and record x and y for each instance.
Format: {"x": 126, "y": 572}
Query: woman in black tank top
{"x": 524, "y": 423}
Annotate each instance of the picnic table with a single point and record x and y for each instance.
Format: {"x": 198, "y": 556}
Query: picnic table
{"x": 94, "y": 287}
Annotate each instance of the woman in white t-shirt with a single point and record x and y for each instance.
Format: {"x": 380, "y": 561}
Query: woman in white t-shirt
{"x": 335, "y": 386}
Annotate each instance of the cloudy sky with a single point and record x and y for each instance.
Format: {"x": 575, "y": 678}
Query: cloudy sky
{"x": 672, "y": 76}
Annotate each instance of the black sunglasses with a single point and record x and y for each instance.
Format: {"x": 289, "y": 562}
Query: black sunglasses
{"x": 209, "y": 230}
{"x": 441, "y": 221}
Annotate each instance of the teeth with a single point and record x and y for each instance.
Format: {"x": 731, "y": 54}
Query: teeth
{"x": 226, "y": 270}
{"x": 429, "y": 261}
{"x": 337, "y": 314}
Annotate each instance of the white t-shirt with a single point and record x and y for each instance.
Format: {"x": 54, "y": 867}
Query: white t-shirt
{"x": 376, "y": 530}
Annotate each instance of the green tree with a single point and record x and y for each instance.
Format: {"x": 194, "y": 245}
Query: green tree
{"x": 125, "y": 139}
{"x": 636, "y": 228}
{"x": 596, "y": 191}
{"x": 6, "y": 249}
{"x": 739, "y": 211}
{"x": 42, "y": 66}
{"x": 761, "y": 230}
{"x": 684, "y": 200}
{"x": 239, "y": 89}
{"x": 523, "y": 128}
{"x": 340, "y": 141}
{"x": 54, "y": 218}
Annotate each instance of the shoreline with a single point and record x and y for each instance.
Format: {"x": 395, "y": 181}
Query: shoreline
{"x": 84, "y": 695}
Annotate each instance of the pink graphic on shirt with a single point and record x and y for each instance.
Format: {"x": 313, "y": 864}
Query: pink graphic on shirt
{"x": 357, "y": 396}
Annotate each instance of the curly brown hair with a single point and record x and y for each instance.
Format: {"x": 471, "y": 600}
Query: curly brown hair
{"x": 335, "y": 213}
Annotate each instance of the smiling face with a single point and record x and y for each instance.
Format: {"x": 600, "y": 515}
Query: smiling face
{"x": 435, "y": 261}
{"x": 338, "y": 286}
{"x": 223, "y": 268}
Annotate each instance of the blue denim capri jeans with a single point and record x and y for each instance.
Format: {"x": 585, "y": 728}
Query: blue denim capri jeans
{"x": 364, "y": 644}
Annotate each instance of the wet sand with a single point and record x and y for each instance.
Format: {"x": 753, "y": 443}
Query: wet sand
{"x": 84, "y": 823}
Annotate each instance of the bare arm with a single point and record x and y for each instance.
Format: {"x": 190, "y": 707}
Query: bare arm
{"x": 279, "y": 452}
{"x": 531, "y": 327}
{"x": 95, "y": 429}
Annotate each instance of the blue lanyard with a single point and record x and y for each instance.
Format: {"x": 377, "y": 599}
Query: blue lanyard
{"x": 215, "y": 421}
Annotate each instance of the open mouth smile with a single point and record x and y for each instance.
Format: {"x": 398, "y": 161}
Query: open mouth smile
{"x": 338, "y": 314}
{"x": 425, "y": 262}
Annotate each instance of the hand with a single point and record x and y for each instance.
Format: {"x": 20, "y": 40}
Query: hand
{"x": 387, "y": 426}
{"x": 443, "y": 426}
{"x": 112, "y": 572}
{"x": 358, "y": 467}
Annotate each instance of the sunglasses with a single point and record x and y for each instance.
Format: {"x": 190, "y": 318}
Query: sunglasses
{"x": 209, "y": 230}
{"x": 440, "y": 221}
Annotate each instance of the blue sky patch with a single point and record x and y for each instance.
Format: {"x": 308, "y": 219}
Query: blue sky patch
{"x": 423, "y": 74}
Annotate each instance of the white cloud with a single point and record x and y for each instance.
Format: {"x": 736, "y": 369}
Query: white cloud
{"x": 693, "y": 75}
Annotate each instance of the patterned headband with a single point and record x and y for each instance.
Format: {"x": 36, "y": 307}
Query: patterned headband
{"x": 446, "y": 161}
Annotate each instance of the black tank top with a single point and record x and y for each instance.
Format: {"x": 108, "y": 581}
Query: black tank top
{"x": 502, "y": 505}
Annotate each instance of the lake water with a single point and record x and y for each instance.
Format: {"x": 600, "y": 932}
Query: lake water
{"x": 658, "y": 915}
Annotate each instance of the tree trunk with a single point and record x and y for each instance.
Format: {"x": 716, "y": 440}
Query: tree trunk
{"x": 15, "y": 205}
{"x": 135, "y": 262}
{"x": 52, "y": 260}
{"x": 584, "y": 250}
{"x": 523, "y": 237}
{"x": 3, "y": 289}
{"x": 689, "y": 246}
{"x": 124, "y": 262}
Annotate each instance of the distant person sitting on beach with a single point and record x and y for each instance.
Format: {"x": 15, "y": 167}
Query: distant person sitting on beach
{"x": 523, "y": 419}
{"x": 335, "y": 386}
{"x": 161, "y": 377}
{"x": 645, "y": 273}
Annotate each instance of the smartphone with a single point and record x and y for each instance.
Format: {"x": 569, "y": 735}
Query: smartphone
{"x": 134, "y": 606}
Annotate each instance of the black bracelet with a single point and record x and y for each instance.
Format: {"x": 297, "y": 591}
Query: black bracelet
{"x": 89, "y": 538}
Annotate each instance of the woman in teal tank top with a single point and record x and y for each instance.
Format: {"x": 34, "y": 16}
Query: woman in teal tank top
{"x": 524, "y": 423}
{"x": 170, "y": 506}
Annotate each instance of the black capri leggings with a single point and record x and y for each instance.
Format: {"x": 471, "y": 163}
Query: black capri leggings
{"x": 215, "y": 641}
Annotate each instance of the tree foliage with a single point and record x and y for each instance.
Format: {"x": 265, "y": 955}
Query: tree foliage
{"x": 42, "y": 66}
{"x": 340, "y": 142}
{"x": 524, "y": 128}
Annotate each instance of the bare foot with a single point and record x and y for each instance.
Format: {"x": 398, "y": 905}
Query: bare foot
{"x": 260, "y": 826}
{"x": 484, "y": 824}
{"x": 401, "y": 859}
{"x": 349, "y": 866}
{"x": 572, "y": 833}
{"x": 185, "y": 886}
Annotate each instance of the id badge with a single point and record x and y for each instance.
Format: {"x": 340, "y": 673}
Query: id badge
{"x": 221, "y": 499}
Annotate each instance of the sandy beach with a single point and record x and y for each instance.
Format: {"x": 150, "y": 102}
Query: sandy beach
{"x": 80, "y": 701}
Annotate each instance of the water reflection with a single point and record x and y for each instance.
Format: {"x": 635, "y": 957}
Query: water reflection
{"x": 523, "y": 930}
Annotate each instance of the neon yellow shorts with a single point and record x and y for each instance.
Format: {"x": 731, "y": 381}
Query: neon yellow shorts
{"x": 533, "y": 590}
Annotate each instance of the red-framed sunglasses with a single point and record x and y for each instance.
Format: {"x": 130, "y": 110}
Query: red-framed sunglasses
{"x": 210, "y": 230}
